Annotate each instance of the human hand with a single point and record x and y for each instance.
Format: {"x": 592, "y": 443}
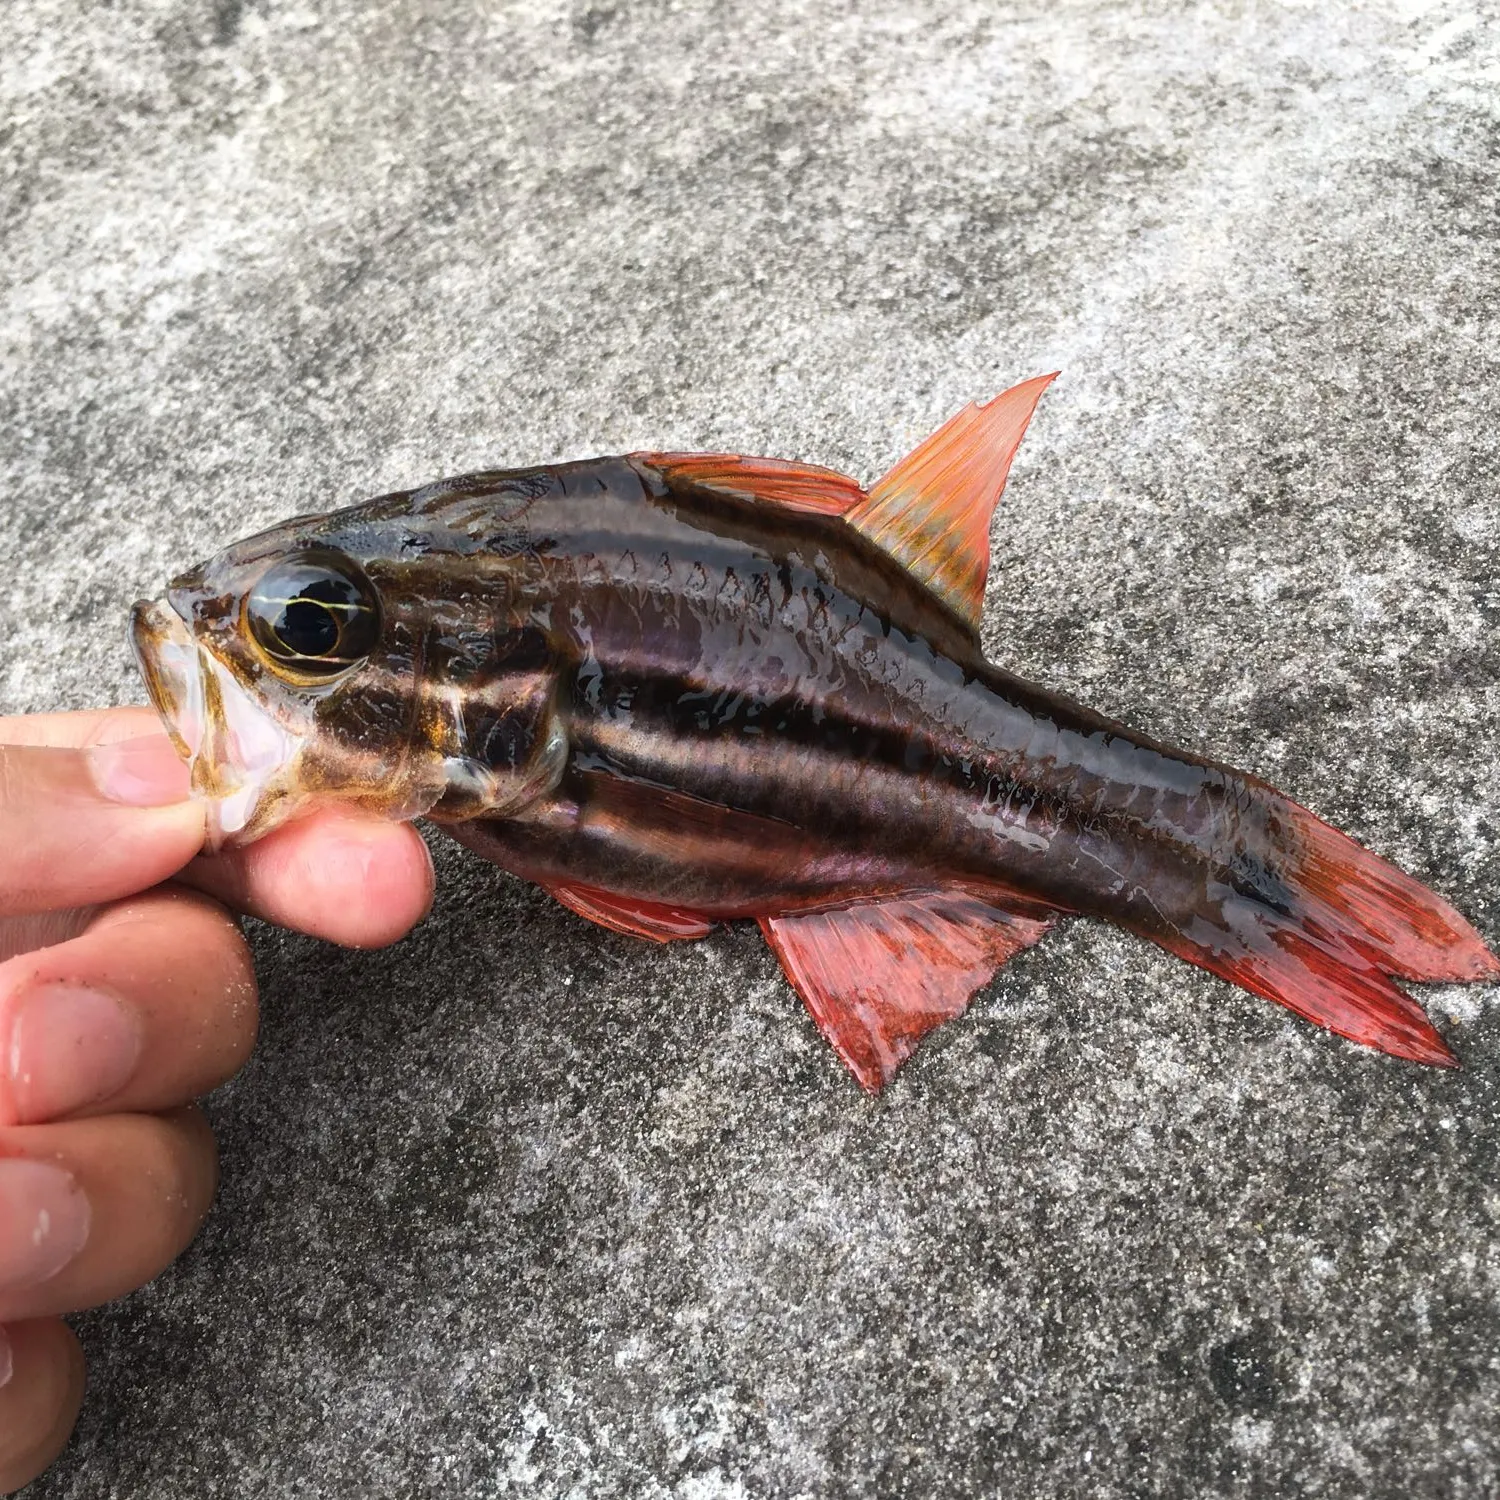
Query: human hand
{"x": 126, "y": 991}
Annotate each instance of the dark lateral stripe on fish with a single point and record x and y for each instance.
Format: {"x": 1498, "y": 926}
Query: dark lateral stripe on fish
{"x": 604, "y": 508}
{"x": 833, "y": 744}
{"x": 1089, "y": 803}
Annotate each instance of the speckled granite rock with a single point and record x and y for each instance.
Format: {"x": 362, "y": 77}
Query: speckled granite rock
{"x": 521, "y": 1206}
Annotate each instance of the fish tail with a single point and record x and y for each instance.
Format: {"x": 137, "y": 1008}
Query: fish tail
{"x": 1309, "y": 919}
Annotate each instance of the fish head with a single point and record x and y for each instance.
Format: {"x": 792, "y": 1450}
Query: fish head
{"x": 285, "y": 671}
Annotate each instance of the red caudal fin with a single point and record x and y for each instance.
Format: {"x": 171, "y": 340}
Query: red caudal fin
{"x": 1332, "y": 926}
{"x": 1306, "y": 969}
{"x": 878, "y": 977}
{"x": 1401, "y": 926}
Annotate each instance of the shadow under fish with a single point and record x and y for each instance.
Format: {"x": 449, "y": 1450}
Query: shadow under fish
{"x": 679, "y": 689}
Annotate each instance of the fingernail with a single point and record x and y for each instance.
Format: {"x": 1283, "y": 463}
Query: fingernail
{"x": 68, "y": 1046}
{"x": 145, "y": 772}
{"x": 7, "y": 1360}
{"x": 44, "y": 1221}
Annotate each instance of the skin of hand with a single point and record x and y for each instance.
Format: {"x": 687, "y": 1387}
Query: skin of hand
{"x": 126, "y": 991}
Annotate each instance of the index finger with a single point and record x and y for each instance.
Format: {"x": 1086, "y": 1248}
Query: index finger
{"x": 83, "y": 826}
{"x": 347, "y": 877}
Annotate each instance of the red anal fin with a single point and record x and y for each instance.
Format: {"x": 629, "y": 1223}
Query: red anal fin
{"x": 878, "y": 977}
{"x": 932, "y": 511}
{"x": 645, "y": 919}
{"x": 802, "y": 487}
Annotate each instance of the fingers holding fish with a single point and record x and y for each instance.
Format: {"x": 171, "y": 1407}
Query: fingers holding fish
{"x": 352, "y": 879}
{"x": 151, "y": 1005}
{"x": 41, "y": 1388}
{"x": 80, "y": 729}
{"x": 122, "y": 992}
{"x": 84, "y": 825}
{"x": 346, "y": 878}
{"x": 92, "y": 1209}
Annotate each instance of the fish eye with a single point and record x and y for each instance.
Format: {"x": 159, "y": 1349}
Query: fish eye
{"x": 315, "y": 613}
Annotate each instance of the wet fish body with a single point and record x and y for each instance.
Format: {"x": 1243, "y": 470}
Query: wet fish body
{"x": 749, "y": 738}
{"x": 680, "y": 689}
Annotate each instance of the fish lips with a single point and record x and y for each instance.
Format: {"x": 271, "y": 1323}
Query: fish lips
{"x": 239, "y": 755}
{"x": 167, "y": 656}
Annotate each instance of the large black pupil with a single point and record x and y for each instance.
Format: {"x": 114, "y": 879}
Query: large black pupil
{"x": 314, "y": 615}
{"x": 307, "y": 628}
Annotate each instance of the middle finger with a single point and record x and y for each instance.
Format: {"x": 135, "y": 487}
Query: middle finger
{"x": 353, "y": 880}
{"x": 153, "y": 1004}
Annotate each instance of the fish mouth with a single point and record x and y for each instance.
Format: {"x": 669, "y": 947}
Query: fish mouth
{"x": 241, "y": 759}
{"x": 168, "y": 659}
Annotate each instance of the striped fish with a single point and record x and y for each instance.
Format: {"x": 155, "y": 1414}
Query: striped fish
{"x": 682, "y": 689}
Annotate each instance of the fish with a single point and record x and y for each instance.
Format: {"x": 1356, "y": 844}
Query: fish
{"x": 682, "y": 689}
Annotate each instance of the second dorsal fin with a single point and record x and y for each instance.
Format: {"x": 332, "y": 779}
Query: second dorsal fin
{"x": 932, "y": 511}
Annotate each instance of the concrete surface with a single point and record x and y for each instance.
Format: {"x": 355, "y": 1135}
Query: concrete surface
{"x": 524, "y": 1207}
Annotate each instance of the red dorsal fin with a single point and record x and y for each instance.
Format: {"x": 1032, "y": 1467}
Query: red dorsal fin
{"x": 646, "y": 919}
{"x": 932, "y": 511}
{"x": 878, "y": 977}
{"x": 804, "y": 487}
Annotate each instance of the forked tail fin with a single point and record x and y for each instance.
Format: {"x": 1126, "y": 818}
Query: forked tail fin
{"x": 1329, "y": 932}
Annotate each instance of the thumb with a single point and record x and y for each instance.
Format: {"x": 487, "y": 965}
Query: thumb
{"x": 78, "y": 827}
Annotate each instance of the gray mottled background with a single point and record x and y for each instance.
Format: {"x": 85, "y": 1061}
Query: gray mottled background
{"x": 523, "y": 1206}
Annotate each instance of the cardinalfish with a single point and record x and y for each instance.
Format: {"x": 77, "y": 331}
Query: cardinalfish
{"x": 678, "y": 689}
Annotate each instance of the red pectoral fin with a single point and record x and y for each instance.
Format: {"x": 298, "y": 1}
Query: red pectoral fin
{"x": 932, "y": 511}
{"x": 877, "y": 978}
{"x": 647, "y": 919}
{"x": 804, "y": 487}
